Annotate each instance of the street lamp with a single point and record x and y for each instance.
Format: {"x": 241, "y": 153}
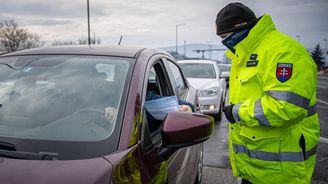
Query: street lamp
{"x": 176, "y": 37}
{"x": 185, "y": 48}
{"x": 88, "y": 12}
{"x": 298, "y": 38}
{"x": 325, "y": 40}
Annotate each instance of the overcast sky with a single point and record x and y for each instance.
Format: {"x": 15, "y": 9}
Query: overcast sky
{"x": 152, "y": 23}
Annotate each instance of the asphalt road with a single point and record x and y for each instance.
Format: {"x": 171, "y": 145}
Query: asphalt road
{"x": 321, "y": 169}
{"x": 217, "y": 169}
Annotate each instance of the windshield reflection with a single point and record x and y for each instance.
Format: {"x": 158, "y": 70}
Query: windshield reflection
{"x": 60, "y": 98}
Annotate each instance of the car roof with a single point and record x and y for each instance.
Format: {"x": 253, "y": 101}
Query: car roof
{"x": 121, "y": 51}
{"x": 197, "y": 61}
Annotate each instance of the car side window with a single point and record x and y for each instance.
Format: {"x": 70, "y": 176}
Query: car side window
{"x": 158, "y": 84}
{"x": 161, "y": 78}
{"x": 178, "y": 79}
{"x": 153, "y": 83}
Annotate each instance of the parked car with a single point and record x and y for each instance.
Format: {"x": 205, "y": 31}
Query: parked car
{"x": 225, "y": 69}
{"x": 55, "y": 126}
{"x": 204, "y": 75}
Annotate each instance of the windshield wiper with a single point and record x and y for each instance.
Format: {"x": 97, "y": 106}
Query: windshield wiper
{"x": 8, "y": 150}
{"x": 28, "y": 155}
{"x": 7, "y": 146}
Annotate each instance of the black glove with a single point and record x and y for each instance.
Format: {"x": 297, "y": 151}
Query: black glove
{"x": 228, "y": 113}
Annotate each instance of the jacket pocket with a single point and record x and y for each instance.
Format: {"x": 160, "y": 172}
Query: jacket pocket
{"x": 247, "y": 76}
{"x": 263, "y": 146}
{"x": 249, "y": 85}
{"x": 260, "y": 134}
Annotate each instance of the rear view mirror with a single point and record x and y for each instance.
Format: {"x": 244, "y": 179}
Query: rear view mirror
{"x": 183, "y": 129}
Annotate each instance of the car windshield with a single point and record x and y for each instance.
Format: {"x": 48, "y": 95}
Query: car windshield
{"x": 225, "y": 68}
{"x": 57, "y": 103}
{"x": 198, "y": 70}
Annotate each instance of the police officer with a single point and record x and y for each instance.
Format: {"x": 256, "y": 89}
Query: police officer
{"x": 274, "y": 127}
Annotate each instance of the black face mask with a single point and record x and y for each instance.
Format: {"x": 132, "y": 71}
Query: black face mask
{"x": 232, "y": 40}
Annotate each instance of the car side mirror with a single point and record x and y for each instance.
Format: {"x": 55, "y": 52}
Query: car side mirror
{"x": 183, "y": 129}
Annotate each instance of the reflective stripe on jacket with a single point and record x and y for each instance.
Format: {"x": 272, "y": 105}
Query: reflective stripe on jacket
{"x": 273, "y": 86}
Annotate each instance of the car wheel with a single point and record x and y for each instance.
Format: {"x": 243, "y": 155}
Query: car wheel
{"x": 199, "y": 176}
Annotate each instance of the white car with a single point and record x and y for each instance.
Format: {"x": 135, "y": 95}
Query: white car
{"x": 204, "y": 76}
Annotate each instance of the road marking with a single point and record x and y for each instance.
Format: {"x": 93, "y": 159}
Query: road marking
{"x": 321, "y": 101}
{"x": 322, "y": 87}
{"x": 323, "y": 83}
{"x": 322, "y": 77}
{"x": 322, "y": 107}
{"x": 323, "y": 140}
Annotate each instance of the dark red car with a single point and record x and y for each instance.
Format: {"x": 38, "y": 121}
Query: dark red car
{"x": 76, "y": 115}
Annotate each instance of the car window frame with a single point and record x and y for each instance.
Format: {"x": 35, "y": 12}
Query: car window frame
{"x": 184, "y": 92}
{"x": 153, "y": 139}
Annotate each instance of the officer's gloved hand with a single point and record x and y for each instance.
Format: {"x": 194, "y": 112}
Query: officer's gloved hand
{"x": 228, "y": 113}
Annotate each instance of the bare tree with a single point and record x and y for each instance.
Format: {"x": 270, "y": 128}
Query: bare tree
{"x": 14, "y": 38}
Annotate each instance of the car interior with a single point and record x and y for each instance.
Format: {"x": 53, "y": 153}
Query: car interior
{"x": 159, "y": 83}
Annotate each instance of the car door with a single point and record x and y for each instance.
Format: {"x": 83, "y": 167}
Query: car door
{"x": 185, "y": 159}
{"x": 158, "y": 79}
{"x": 142, "y": 163}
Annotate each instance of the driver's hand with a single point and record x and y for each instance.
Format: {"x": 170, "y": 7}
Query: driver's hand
{"x": 110, "y": 114}
{"x": 185, "y": 108}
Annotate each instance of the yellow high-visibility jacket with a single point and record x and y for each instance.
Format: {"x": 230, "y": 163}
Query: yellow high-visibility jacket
{"x": 273, "y": 86}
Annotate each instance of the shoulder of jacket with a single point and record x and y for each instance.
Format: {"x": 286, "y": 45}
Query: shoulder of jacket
{"x": 277, "y": 41}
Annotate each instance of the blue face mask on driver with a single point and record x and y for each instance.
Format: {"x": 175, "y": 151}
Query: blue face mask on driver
{"x": 232, "y": 40}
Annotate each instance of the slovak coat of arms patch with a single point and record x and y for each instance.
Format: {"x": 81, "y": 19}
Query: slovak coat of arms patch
{"x": 284, "y": 71}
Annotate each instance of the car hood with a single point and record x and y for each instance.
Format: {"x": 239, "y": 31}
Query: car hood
{"x": 200, "y": 83}
{"x": 14, "y": 171}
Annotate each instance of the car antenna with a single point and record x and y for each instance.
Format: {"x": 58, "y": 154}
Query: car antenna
{"x": 119, "y": 43}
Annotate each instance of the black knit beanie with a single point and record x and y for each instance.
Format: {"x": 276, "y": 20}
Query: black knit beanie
{"x": 234, "y": 17}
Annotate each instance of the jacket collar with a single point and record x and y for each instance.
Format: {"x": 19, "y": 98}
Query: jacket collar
{"x": 254, "y": 38}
